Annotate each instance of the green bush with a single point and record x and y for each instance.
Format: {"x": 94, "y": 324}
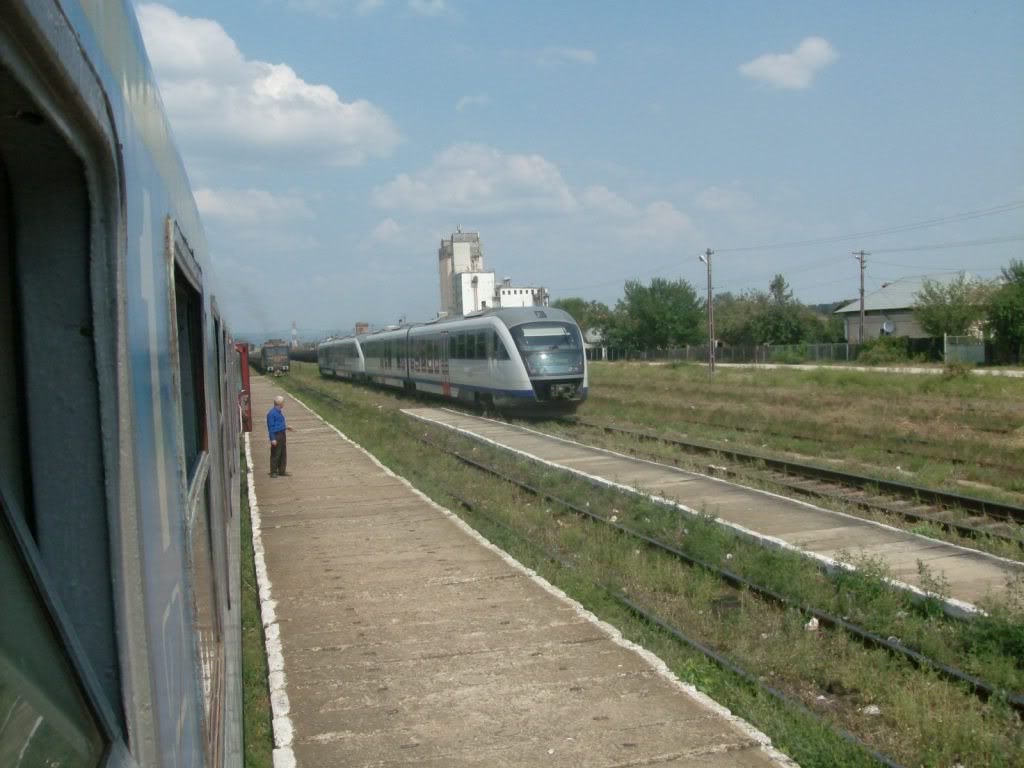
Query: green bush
{"x": 884, "y": 349}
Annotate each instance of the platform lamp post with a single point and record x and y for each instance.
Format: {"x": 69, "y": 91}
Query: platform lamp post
{"x": 706, "y": 258}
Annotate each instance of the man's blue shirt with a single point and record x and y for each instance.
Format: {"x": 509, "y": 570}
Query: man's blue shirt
{"x": 275, "y": 421}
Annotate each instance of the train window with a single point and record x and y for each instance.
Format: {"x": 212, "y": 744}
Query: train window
{"x": 481, "y": 345}
{"x": 52, "y": 461}
{"x": 204, "y": 601}
{"x": 500, "y": 353}
{"x": 189, "y": 323}
{"x": 46, "y": 720}
{"x": 14, "y": 480}
{"x": 218, "y": 335}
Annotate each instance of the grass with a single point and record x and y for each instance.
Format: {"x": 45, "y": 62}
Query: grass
{"x": 962, "y": 434}
{"x": 924, "y": 720}
{"x": 256, "y": 717}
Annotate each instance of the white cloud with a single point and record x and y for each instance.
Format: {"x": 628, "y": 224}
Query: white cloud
{"x": 429, "y": 7}
{"x": 250, "y": 206}
{"x": 474, "y": 178}
{"x": 603, "y": 200}
{"x": 661, "y": 223}
{"x": 794, "y": 70}
{"x": 728, "y": 199}
{"x": 221, "y": 102}
{"x": 556, "y": 54}
{"x": 465, "y": 102}
{"x": 385, "y": 231}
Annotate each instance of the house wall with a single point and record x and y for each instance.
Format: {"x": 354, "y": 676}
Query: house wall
{"x": 904, "y": 324}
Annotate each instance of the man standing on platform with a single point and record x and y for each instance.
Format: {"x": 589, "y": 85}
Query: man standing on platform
{"x": 278, "y": 429}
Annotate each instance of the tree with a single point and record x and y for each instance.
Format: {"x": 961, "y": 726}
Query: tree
{"x": 951, "y": 308}
{"x": 1006, "y": 312}
{"x": 666, "y": 313}
{"x": 588, "y": 314}
{"x": 735, "y": 315}
{"x": 781, "y": 319}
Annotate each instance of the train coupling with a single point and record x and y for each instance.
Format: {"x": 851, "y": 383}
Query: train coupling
{"x": 563, "y": 391}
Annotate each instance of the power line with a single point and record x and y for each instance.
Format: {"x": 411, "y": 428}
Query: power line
{"x": 956, "y": 244}
{"x": 954, "y": 218}
{"x": 924, "y": 224}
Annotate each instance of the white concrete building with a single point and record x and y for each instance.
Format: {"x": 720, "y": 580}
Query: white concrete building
{"x": 511, "y": 296}
{"x": 462, "y": 252}
{"x": 466, "y": 287}
{"x": 473, "y": 291}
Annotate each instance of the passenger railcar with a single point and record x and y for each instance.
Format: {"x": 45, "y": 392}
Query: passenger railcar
{"x": 341, "y": 358}
{"x": 529, "y": 359}
{"x": 119, "y": 464}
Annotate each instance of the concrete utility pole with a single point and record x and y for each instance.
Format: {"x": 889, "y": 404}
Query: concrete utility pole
{"x": 859, "y": 255}
{"x": 706, "y": 258}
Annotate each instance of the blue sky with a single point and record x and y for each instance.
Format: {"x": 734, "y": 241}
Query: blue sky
{"x": 332, "y": 143}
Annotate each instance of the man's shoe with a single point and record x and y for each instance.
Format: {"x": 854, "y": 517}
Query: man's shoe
{"x": 273, "y": 474}
{"x": 284, "y": 474}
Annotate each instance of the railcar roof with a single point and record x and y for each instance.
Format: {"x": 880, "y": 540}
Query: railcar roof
{"x": 511, "y": 316}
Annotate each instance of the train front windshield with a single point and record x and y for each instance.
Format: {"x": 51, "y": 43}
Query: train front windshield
{"x": 550, "y": 348}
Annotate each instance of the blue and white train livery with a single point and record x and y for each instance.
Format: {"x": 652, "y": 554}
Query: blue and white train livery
{"x": 119, "y": 464}
{"x": 528, "y": 359}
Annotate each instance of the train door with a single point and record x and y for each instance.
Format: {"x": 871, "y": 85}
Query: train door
{"x": 446, "y": 385}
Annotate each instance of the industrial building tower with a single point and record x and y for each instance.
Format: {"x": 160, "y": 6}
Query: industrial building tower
{"x": 466, "y": 287}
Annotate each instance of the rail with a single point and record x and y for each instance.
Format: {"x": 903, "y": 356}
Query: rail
{"x": 978, "y": 686}
{"x": 942, "y": 499}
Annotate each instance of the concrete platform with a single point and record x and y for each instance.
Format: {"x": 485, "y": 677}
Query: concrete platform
{"x": 398, "y": 637}
{"x": 773, "y": 519}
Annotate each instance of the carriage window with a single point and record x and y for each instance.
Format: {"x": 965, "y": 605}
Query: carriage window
{"x": 189, "y": 318}
{"x": 45, "y": 718}
{"x": 53, "y": 371}
{"x": 500, "y": 353}
{"x": 481, "y": 345}
{"x": 219, "y": 335}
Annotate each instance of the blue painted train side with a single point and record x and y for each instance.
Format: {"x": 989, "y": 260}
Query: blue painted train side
{"x": 119, "y": 473}
{"x": 524, "y": 359}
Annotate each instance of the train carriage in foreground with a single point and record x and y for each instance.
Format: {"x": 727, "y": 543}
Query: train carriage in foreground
{"x": 528, "y": 360}
{"x": 119, "y": 473}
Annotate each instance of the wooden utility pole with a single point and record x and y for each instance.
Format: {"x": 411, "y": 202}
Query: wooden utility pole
{"x": 859, "y": 255}
{"x": 706, "y": 258}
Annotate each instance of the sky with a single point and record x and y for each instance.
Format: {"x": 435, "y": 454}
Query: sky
{"x": 332, "y": 144}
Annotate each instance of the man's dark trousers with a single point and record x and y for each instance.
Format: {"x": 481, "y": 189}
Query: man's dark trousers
{"x": 279, "y": 454}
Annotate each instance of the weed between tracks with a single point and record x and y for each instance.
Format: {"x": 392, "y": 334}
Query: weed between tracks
{"x": 923, "y": 720}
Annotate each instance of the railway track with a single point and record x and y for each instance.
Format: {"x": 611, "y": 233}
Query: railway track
{"x": 921, "y": 448}
{"x": 910, "y": 502}
{"x": 978, "y": 686}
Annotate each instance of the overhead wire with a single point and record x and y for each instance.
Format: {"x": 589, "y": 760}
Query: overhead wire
{"x": 923, "y": 224}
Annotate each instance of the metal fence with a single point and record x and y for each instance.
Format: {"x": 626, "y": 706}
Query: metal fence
{"x": 761, "y": 353}
{"x": 963, "y": 349}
